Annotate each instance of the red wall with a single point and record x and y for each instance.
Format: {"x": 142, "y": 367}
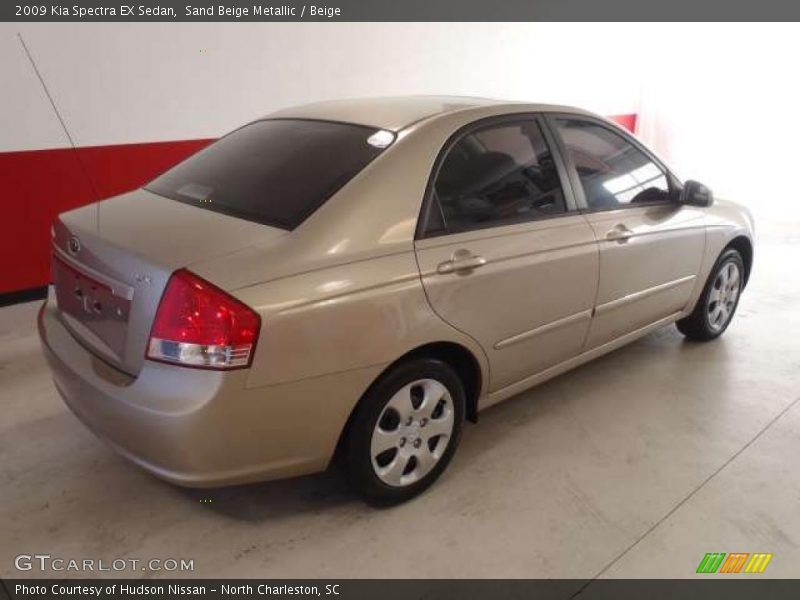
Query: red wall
{"x": 40, "y": 184}
{"x": 627, "y": 121}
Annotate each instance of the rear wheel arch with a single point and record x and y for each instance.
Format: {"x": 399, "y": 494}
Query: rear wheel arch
{"x": 463, "y": 362}
{"x": 458, "y": 357}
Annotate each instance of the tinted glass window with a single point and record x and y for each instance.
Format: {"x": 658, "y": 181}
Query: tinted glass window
{"x": 275, "y": 172}
{"x": 614, "y": 173}
{"x": 498, "y": 175}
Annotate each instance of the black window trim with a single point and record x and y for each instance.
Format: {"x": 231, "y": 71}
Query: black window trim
{"x": 577, "y": 187}
{"x": 429, "y": 203}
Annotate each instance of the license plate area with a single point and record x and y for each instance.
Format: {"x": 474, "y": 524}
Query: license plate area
{"x": 92, "y": 303}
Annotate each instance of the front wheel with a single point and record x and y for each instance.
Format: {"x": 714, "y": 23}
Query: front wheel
{"x": 717, "y": 304}
{"x": 405, "y": 431}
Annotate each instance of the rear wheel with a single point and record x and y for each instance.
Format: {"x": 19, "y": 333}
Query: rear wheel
{"x": 405, "y": 431}
{"x": 717, "y": 304}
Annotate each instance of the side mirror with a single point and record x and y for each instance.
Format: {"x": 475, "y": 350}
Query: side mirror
{"x": 695, "y": 193}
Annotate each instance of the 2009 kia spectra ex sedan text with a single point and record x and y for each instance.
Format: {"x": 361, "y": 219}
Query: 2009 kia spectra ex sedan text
{"x": 359, "y": 277}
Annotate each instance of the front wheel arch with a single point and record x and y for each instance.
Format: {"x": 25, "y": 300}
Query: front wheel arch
{"x": 744, "y": 247}
{"x": 696, "y": 326}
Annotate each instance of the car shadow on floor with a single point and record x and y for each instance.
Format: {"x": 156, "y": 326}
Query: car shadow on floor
{"x": 257, "y": 502}
{"x": 327, "y": 490}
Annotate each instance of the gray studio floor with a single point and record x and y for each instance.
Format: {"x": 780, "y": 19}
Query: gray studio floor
{"x": 635, "y": 465}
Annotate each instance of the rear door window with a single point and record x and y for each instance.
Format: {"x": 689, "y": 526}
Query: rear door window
{"x": 496, "y": 175}
{"x": 276, "y": 172}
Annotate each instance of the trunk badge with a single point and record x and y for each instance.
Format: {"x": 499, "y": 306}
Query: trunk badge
{"x": 74, "y": 245}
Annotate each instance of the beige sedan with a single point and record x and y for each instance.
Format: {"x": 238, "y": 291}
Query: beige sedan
{"x": 354, "y": 279}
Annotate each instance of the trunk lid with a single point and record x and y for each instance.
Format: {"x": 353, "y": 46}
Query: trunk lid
{"x": 112, "y": 261}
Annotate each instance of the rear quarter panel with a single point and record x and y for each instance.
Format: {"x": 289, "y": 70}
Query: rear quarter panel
{"x": 343, "y": 318}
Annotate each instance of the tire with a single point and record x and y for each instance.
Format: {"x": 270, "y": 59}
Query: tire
{"x": 404, "y": 431}
{"x": 715, "y": 309}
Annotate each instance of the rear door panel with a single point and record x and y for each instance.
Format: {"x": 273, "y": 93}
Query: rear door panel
{"x": 528, "y": 300}
{"x": 529, "y": 306}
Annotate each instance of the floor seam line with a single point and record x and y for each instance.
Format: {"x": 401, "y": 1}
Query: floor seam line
{"x": 691, "y": 494}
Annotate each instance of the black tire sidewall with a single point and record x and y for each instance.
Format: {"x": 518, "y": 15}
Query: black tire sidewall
{"x": 358, "y": 462}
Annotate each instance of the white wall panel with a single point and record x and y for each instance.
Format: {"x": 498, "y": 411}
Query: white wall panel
{"x": 715, "y": 100}
{"x": 27, "y": 121}
{"x": 123, "y": 83}
{"x": 721, "y": 108}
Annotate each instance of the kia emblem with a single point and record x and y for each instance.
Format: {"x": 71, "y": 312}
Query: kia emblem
{"x": 74, "y": 245}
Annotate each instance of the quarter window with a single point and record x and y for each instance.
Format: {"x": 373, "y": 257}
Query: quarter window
{"x": 613, "y": 172}
{"x": 497, "y": 175}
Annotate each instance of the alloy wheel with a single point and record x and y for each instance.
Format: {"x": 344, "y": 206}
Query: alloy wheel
{"x": 723, "y": 296}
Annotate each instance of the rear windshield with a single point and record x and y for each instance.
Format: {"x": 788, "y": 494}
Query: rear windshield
{"x": 275, "y": 172}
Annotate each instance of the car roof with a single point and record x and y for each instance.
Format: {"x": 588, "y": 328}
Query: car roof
{"x": 398, "y": 112}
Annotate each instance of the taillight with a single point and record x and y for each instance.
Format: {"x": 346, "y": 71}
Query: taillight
{"x": 199, "y": 325}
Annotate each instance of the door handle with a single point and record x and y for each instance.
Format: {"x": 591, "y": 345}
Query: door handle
{"x": 459, "y": 263}
{"x": 620, "y": 233}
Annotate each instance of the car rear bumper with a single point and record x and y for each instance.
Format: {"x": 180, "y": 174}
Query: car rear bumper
{"x": 202, "y": 428}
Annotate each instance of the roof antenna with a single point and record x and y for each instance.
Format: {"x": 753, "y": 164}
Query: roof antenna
{"x": 63, "y": 126}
